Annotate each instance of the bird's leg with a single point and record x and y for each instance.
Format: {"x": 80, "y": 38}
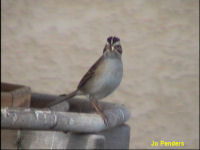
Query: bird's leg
{"x": 99, "y": 111}
{"x": 97, "y": 104}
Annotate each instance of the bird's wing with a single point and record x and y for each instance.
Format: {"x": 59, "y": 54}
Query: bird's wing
{"x": 90, "y": 73}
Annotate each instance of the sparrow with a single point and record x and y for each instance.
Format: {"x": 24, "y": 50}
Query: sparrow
{"x": 102, "y": 78}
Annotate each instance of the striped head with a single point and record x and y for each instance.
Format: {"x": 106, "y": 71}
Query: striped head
{"x": 113, "y": 45}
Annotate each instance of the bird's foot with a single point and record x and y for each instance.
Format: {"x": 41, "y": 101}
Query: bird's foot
{"x": 105, "y": 119}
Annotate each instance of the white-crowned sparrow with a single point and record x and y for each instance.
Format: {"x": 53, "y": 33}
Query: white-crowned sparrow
{"x": 102, "y": 78}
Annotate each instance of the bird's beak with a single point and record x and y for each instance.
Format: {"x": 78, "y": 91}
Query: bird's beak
{"x": 112, "y": 48}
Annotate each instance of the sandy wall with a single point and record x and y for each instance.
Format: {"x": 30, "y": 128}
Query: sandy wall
{"x": 48, "y": 45}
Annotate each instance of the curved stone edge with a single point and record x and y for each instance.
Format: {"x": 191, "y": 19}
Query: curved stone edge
{"x": 46, "y": 119}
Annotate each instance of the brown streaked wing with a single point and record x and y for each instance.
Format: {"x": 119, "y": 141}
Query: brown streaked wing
{"x": 90, "y": 73}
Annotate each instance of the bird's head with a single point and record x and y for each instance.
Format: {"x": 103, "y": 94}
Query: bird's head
{"x": 113, "y": 45}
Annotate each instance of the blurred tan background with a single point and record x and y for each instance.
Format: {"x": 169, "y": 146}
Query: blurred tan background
{"x": 48, "y": 45}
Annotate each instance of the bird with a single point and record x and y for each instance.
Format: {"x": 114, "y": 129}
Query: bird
{"x": 103, "y": 77}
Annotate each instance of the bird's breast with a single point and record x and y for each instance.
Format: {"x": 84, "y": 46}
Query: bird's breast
{"x": 109, "y": 77}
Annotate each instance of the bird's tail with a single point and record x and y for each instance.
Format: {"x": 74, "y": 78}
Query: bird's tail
{"x": 63, "y": 98}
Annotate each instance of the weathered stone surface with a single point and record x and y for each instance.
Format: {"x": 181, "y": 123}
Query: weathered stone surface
{"x": 6, "y": 99}
{"x": 14, "y": 95}
{"x": 85, "y": 141}
{"x": 9, "y": 139}
{"x": 117, "y": 138}
{"x": 43, "y": 139}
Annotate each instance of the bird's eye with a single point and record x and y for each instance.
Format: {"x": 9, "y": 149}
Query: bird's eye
{"x": 118, "y": 47}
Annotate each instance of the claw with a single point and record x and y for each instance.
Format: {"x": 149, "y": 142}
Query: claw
{"x": 105, "y": 119}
